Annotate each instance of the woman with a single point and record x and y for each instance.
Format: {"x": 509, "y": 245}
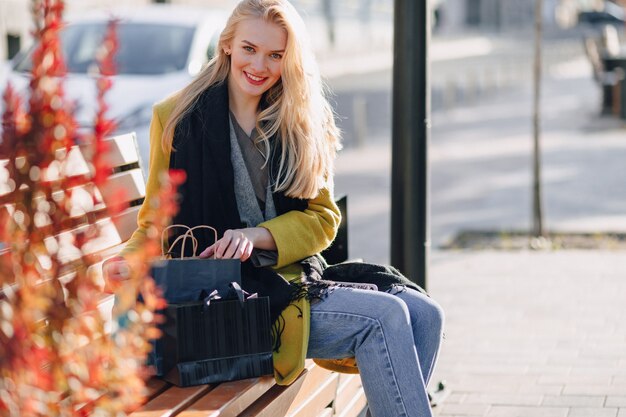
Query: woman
{"x": 257, "y": 139}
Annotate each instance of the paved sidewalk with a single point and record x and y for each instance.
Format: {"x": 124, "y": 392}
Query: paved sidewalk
{"x": 532, "y": 333}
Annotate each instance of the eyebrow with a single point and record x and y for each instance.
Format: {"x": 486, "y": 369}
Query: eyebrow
{"x": 254, "y": 46}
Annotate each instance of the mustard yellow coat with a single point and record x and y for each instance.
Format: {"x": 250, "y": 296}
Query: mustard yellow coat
{"x": 298, "y": 234}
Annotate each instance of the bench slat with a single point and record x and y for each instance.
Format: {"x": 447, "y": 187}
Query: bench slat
{"x": 349, "y": 385}
{"x": 328, "y": 412}
{"x": 277, "y": 400}
{"x": 113, "y": 232}
{"x": 122, "y": 150}
{"x": 110, "y": 236}
{"x": 355, "y": 406}
{"x": 172, "y": 401}
{"x": 127, "y": 222}
{"x": 230, "y": 398}
{"x": 316, "y": 401}
{"x": 318, "y": 390}
{"x": 154, "y": 387}
{"x": 131, "y": 182}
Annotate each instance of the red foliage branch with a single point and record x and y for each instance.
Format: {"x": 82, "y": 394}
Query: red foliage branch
{"x": 57, "y": 355}
{"x": 103, "y": 126}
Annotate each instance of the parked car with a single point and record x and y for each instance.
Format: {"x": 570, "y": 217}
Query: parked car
{"x": 161, "y": 48}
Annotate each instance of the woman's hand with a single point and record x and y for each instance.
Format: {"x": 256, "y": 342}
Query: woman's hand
{"x": 115, "y": 270}
{"x": 238, "y": 244}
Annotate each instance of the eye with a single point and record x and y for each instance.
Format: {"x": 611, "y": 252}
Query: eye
{"x": 276, "y": 56}
{"x": 248, "y": 48}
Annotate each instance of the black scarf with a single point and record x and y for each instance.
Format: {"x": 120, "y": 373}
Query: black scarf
{"x": 202, "y": 149}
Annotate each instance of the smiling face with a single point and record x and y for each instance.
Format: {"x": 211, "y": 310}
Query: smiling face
{"x": 256, "y": 54}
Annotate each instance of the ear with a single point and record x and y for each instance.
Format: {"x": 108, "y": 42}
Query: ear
{"x": 227, "y": 49}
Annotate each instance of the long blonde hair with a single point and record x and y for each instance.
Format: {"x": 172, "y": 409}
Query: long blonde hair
{"x": 297, "y": 110}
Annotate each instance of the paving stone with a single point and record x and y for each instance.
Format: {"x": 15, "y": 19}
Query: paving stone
{"x": 575, "y": 379}
{"x": 573, "y": 401}
{"x": 560, "y": 370}
{"x": 594, "y": 389}
{"x": 463, "y": 410}
{"x": 616, "y": 401}
{"x": 503, "y": 399}
{"x": 592, "y": 412}
{"x": 616, "y": 371}
{"x": 511, "y": 411}
{"x": 455, "y": 398}
{"x": 619, "y": 380}
{"x": 541, "y": 389}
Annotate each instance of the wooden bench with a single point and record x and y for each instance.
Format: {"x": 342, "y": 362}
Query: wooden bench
{"x": 316, "y": 392}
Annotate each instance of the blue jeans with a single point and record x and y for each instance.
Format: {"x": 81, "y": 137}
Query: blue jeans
{"x": 395, "y": 339}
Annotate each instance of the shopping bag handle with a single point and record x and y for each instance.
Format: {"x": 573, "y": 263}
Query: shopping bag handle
{"x": 164, "y": 238}
{"x": 189, "y": 233}
{"x": 183, "y": 238}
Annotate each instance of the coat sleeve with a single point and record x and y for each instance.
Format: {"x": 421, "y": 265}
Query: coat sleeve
{"x": 159, "y": 163}
{"x": 300, "y": 234}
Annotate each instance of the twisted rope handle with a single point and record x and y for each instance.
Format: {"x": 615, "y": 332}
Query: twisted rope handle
{"x": 183, "y": 238}
{"x": 194, "y": 240}
{"x": 164, "y": 238}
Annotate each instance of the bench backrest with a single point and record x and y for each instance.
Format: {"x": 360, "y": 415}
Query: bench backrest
{"x": 126, "y": 175}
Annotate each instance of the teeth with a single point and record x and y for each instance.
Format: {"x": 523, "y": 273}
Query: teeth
{"x": 252, "y": 77}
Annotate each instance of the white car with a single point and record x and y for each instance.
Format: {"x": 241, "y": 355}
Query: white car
{"x": 161, "y": 48}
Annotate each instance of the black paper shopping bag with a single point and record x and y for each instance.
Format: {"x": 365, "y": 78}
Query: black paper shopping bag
{"x": 189, "y": 280}
{"x": 224, "y": 341}
{"x": 186, "y": 279}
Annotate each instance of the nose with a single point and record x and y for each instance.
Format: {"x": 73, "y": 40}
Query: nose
{"x": 258, "y": 62}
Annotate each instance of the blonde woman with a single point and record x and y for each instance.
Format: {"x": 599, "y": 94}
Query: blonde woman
{"x": 257, "y": 139}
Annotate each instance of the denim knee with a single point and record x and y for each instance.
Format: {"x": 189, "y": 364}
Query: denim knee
{"x": 433, "y": 316}
{"x": 394, "y": 314}
{"x": 426, "y": 312}
{"x": 429, "y": 315}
